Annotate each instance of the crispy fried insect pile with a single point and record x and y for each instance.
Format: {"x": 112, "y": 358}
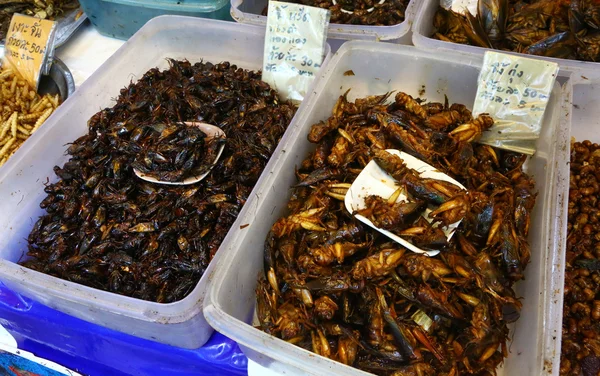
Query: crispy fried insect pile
{"x": 344, "y": 291}
{"x": 360, "y": 12}
{"x": 44, "y": 9}
{"x": 174, "y": 153}
{"x": 580, "y": 352}
{"x": 568, "y": 29}
{"x": 108, "y": 229}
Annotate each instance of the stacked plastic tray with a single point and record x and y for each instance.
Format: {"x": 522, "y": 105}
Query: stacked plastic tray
{"x": 249, "y": 12}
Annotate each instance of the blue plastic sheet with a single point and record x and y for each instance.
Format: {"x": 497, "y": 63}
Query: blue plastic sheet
{"x": 94, "y": 350}
{"x": 15, "y": 364}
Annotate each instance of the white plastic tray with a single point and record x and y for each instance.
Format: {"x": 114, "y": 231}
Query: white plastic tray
{"x": 22, "y": 178}
{"x": 423, "y": 29}
{"x": 378, "y": 68}
{"x": 582, "y": 118}
{"x": 249, "y": 12}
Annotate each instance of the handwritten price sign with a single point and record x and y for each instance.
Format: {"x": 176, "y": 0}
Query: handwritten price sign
{"x": 515, "y": 92}
{"x": 294, "y": 47}
{"x": 460, "y": 5}
{"x": 26, "y": 46}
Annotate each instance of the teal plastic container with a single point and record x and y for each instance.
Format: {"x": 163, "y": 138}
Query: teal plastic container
{"x": 122, "y": 18}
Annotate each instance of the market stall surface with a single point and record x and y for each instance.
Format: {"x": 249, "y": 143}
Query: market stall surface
{"x": 94, "y": 350}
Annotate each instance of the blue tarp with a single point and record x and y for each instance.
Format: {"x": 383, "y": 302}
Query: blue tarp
{"x": 96, "y": 351}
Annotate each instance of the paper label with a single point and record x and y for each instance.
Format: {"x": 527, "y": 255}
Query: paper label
{"x": 29, "y": 46}
{"x": 459, "y": 6}
{"x": 294, "y": 47}
{"x": 514, "y": 91}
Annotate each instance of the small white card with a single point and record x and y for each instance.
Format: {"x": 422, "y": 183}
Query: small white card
{"x": 459, "y": 6}
{"x": 515, "y": 91}
{"x": 373, "y": 180}
{"x": 294, "y": 48}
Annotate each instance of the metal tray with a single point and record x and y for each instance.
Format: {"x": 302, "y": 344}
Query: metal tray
{"x": 59, "y": 80}
{"x": 67, "y": 26}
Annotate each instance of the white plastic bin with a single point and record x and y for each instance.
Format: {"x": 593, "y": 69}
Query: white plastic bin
{"x": 249, "y": 12}
{"x": 22, "y": 178}
{"x": 423, "y": 30}
{"x": 582, "y": 105}
{"x": 379, "y": 68}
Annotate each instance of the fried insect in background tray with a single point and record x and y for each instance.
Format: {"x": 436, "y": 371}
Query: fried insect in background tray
{"x": 568, "y": 29}
{"x": 45, "y": 9}
{"x": 108, "y": 229}
{"x": 360, "y": 12}
{"x": 580, "y": 351}
{"x": 346, "y": 292}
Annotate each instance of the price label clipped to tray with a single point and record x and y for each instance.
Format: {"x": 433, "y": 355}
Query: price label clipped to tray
{"x": 460, "y": 5}
{"x": 515, "y": 91}
{"x": 29, "y": 47}
{"x": 294, "y": 47}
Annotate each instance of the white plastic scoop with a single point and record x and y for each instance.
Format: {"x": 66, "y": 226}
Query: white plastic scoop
{"x": 351, "y": 12}
{"x": 211, "y": 132}
{"x": 373, "y": 180}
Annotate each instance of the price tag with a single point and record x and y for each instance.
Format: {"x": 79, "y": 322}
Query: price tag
{"x": 459, "y": 6}
{"x": 514, "y": 91}
{"x": 294, "y": 47}
{"x": 29, "y": 46}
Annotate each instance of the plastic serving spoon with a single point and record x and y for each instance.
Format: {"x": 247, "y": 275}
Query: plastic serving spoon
{"x": 351, "y": 12}
{"x": 373, "y": 180}
{"x": 211, "y": 132}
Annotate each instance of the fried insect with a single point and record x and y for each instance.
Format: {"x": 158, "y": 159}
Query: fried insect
{"x": 580, "y": 351}
{"x": 176, "y": 152}
{"x": 359, "y": 12}
{"x": 394, "y": 216}
{"x": 44, "y": 9}
{"x": 110, "y": 230}
{"x": 567, "y": 29}
{"x": 351, "y": 294}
